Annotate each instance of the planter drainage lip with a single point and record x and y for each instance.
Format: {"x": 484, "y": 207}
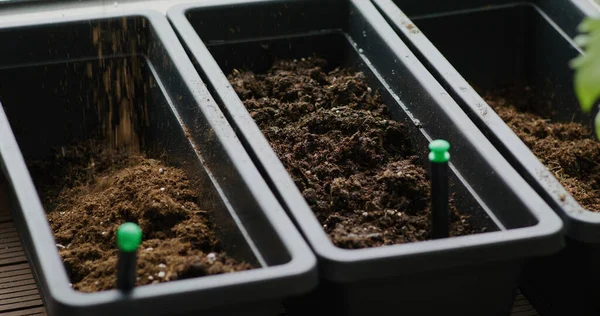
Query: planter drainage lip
{"x": 580, "y": 224}
{"x": 343, "y": 265}
{"x": 297, "y": 275}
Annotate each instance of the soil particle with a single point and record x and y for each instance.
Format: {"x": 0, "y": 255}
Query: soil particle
{"x": 94, "y": 189}
{"x": 569, "y": 150}
{"x": 353, "y": 164}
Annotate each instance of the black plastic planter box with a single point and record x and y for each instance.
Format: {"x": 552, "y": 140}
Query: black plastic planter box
{"x": 49, "y": 99}
{"x": 468, "y": 275}
{"x": 528, "y": 43}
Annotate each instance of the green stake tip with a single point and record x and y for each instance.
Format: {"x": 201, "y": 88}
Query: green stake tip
{"x": 439, "y": 151}
{"x": 129, "y": 237}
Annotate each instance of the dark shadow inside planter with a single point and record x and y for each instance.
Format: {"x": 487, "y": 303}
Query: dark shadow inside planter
{"x": 57, "y": 95}
{"x": 508, "y": 46}
{"x": 256, "y": 48}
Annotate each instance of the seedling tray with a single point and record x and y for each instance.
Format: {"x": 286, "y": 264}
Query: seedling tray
{"x": 468, "y": 275}
{"x": 49, "y": 87}
{"x": 533, "y": 49}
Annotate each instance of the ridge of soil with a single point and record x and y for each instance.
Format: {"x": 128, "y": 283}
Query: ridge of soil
{"x": 93, "y": 189}
{"x": 352, "y": 162}
{"x": 569, "y": 150}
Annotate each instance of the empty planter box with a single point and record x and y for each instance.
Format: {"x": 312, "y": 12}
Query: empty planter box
{"x": 88, "y": 78}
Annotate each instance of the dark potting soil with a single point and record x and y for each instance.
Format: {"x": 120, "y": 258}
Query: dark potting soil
{"x": 569, "y": 150}
{"x": 93, "y": 189}
{"x": 354, "y": 165}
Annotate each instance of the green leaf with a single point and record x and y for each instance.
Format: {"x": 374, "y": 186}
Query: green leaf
{"x": 577, "y": 61}
{"x": 587, "y": 66}
{"x": 587, "y": 81}
{"x": 582, "y": 40}
{"x": 589, "y": 25}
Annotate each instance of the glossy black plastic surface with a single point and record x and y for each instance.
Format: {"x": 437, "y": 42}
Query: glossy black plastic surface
{"x": 51, "y": 96}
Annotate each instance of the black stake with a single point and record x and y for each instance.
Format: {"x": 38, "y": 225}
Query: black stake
{"x": 129, "y": 237}
{"x": 439, "y": 157}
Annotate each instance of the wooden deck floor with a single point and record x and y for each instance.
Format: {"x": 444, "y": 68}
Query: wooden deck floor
{"x": 19, "y": 295}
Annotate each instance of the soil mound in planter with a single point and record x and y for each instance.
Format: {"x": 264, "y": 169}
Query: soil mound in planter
{"x": 569, "y": 150}
{"x": 353, "y": 164}
{"x": 93, "y": 189}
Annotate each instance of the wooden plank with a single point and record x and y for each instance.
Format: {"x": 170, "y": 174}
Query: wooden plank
{"x": 19, "y": 295}
{"x": 8, "y": 229}
{"x": 34, "y": 291}
{"x": 10, "y": 251}
{"x": 12, "y": 254}
{"x": 27, "y": 312}
{"x": 8, "y": 233}
{"x": 530, "y": 313}
{"x": 6, "y": 226}
{"x": 18, "y": 259}
{"x": 13, "y": 273}
{"x": 15, "y": 267}
{"x": 16, "y": 278}
{"x": 11, "y": 247}
{"x": 18, "y": 288}
{"x": 10, "y": 244}
{"x": 520, "y": 303}
{"x": 20, "y": 305}
{"x": 5, "y": 241}
{"x": 522, "y": 307}
{"x": 20, "y": 299}
{"x": 6, "y": 287}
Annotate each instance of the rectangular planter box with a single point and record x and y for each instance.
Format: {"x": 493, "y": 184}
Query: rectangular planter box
{"x": 534, "y": 49}
{"x": 48, "y": 95}
{"x": 468, "y": 275}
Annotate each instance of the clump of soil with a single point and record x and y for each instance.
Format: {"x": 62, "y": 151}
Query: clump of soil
{"x": 353, "y": 164}
{"x": 569, "y": 150}
{"x": 93, "y": 189}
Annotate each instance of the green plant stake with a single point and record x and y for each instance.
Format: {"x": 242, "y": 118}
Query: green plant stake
{"x": 439, "y": 156}
{"x": 129, "y": 237}
{"x": 587, "y": 68}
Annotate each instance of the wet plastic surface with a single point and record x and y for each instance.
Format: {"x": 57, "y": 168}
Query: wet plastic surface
{"x": 525, "y": 43}
{"x": 49, "y": 100}
{"x": 469, "y": 275}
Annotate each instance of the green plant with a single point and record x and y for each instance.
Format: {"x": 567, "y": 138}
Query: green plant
{"x": 587, "y": 68}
